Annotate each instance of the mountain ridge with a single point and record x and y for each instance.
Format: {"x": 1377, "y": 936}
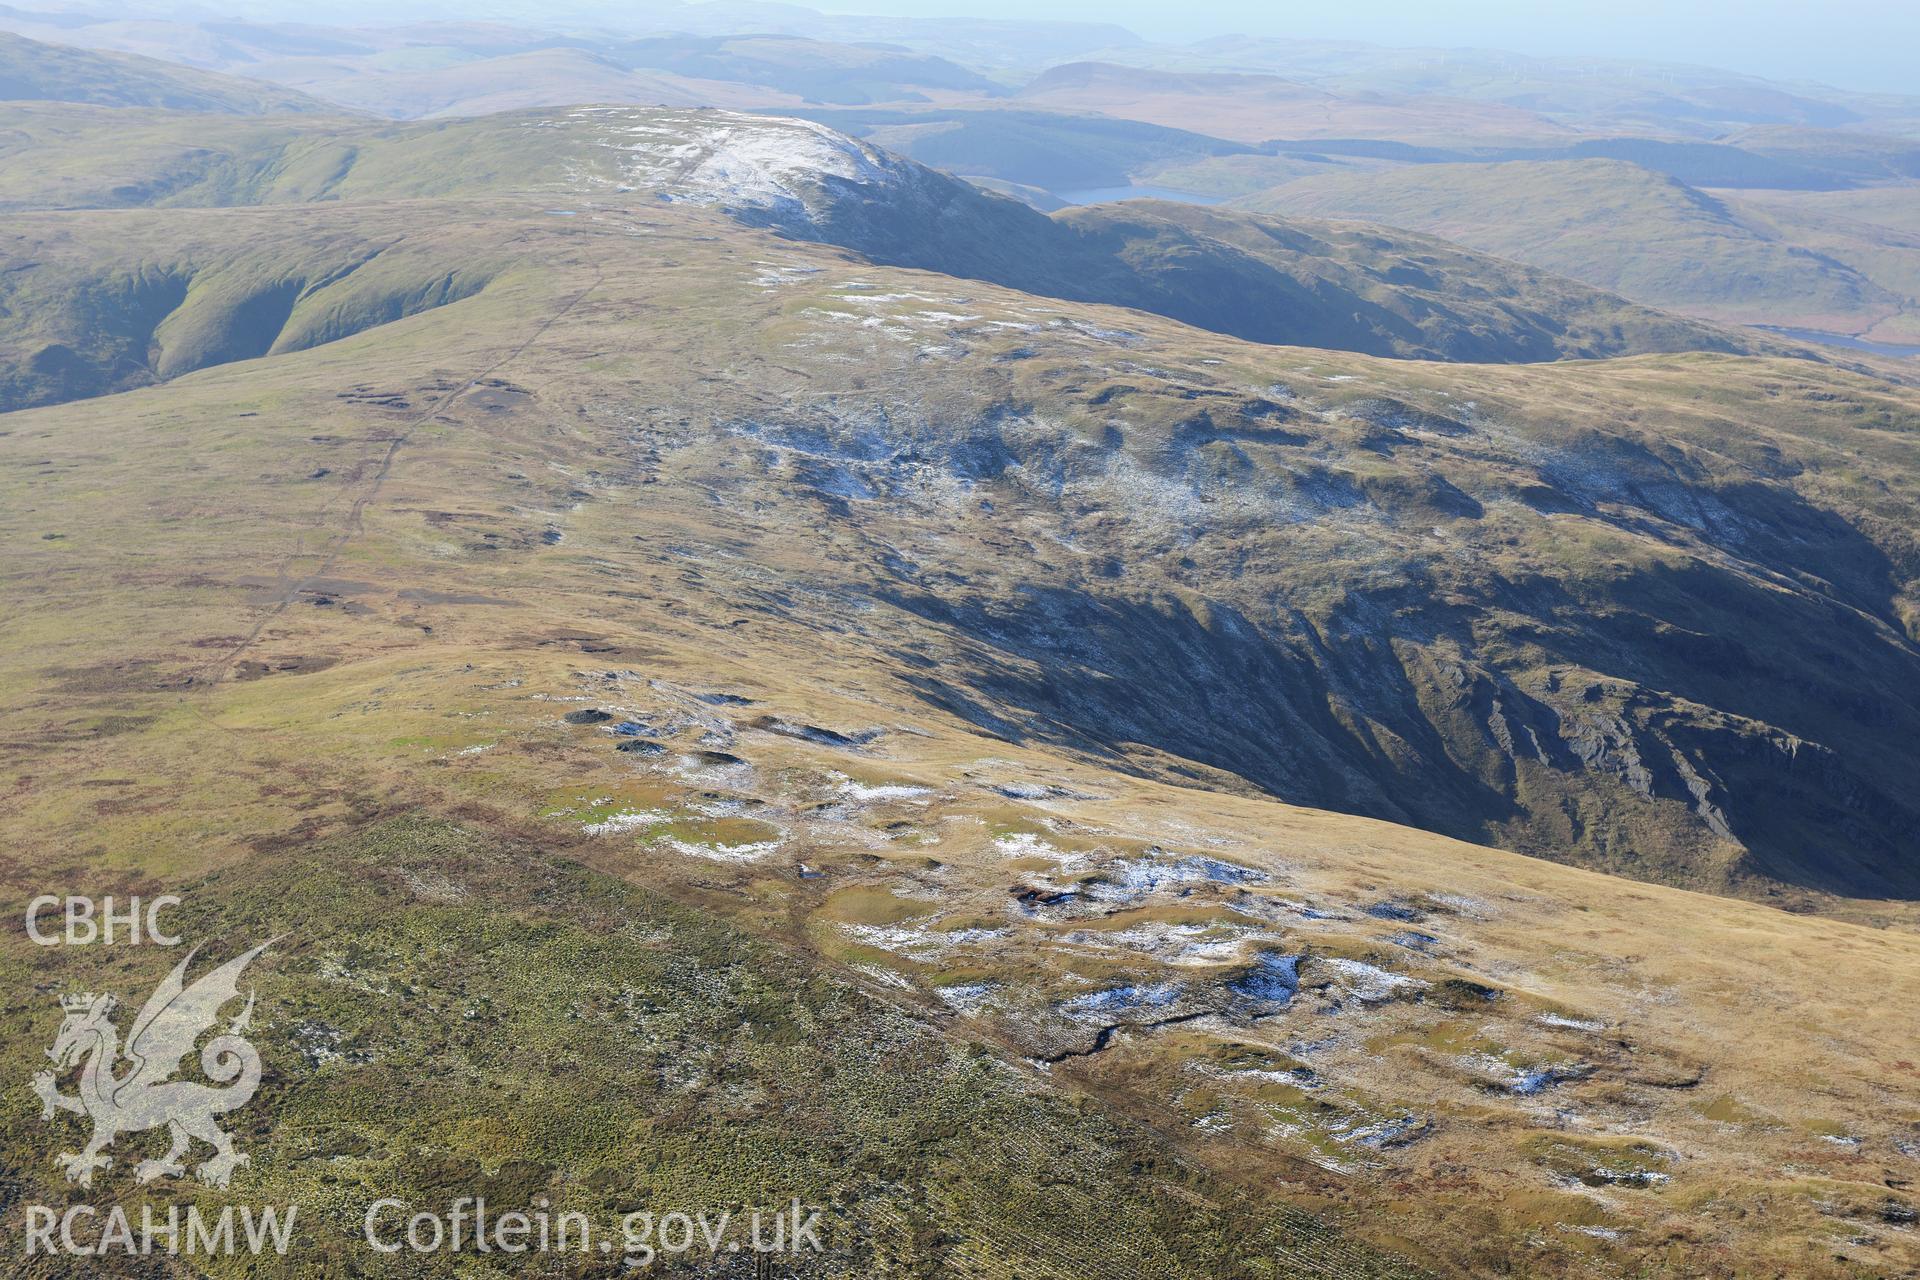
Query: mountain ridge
{"x": 31, "y": 70}
{"x": 1612, "y": 224}
{"x": 1269, "y": 281}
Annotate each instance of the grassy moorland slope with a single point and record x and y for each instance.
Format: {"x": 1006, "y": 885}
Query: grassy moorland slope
{"x": 1259, "y": 278}
{"x": 1874, "y": 231}
{"x": 749, "y": 714}
{"x": 1611, "y": 224}
{"x": 119, "y": 299}
{"x": 1355, "y": 288}
{"x": 1591, "y": 729}
{"x": 591, "y": 1044}
{"x": 946, "y": 639}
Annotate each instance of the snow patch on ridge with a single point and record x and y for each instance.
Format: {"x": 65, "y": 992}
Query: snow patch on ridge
{"x": 773, "y": 164}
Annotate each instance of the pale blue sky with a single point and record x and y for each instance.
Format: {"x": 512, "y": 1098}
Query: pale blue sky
{"x": 1853, "y": 44}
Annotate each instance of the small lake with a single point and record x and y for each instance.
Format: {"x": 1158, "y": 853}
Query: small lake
{"x": 1107, "y": 195}
{"x": 1842, "y": 340}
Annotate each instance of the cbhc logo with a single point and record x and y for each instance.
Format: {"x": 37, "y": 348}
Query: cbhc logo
{"x": 84, "y": 921}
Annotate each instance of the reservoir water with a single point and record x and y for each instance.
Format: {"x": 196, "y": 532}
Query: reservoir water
{"x": 1896, "y": 350}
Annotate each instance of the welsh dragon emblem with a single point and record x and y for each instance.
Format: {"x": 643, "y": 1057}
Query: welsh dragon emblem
{"x": 132, "y": 1089}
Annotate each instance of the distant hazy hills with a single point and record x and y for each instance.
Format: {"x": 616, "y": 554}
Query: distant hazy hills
{"x": 1051, "y": 151}
{"x": 1013, "y": 49}
{"x": 1249, "y": 90}
{"x": 816, "y": 70}
{"x": 535, "y": 70}
{"x": 1862, "y": 157}
{"x": 1621, "y": 227}
{"x": 515, "y": 80}
{"x": 1062, "y": 150}
{"x": 475, "y": 69}
{"x": 1596, "y": 95}
{"x": 31, "y": 71}
{"x": 1253, "y": 108}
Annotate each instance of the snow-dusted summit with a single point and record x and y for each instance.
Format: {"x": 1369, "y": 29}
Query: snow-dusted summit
{"x": 804, "y": 180}
{"x": 788, "y": 172}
